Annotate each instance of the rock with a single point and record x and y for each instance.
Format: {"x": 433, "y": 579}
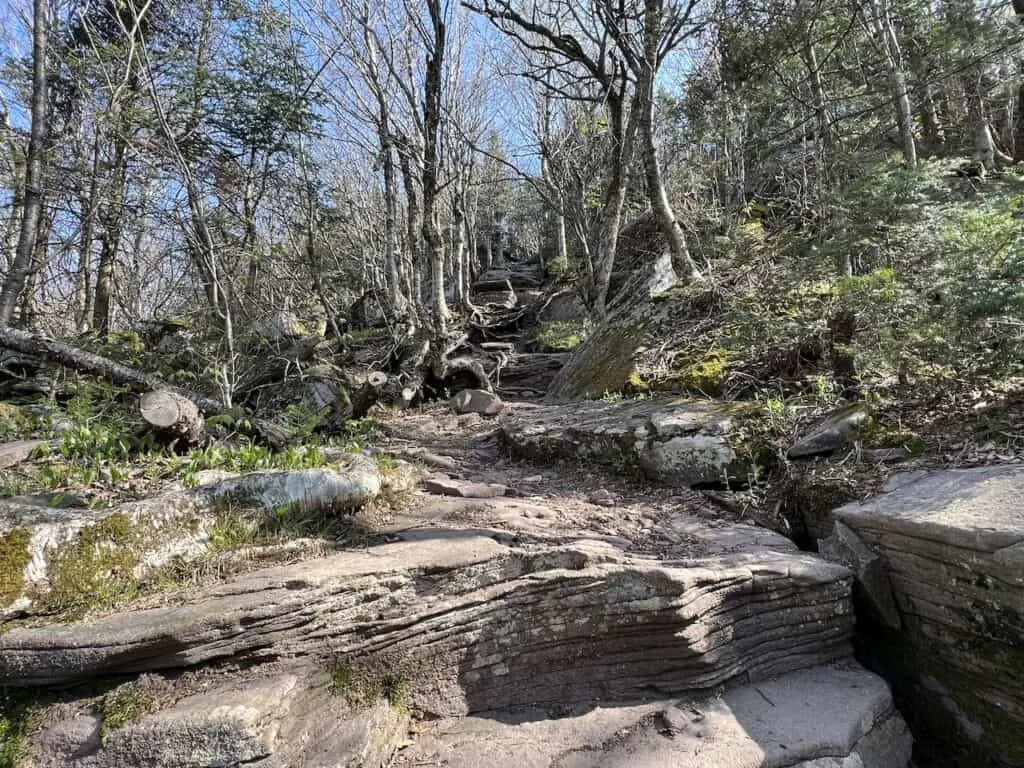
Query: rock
{"x": 504, "y": 299}
{"x": 469, "y": 420}
{"x": 606, "y": 359}
{"x": 68, "y": 556}
{"x": 678, "y": 442}
{"x": 17, "y": 451}
{"x": 792, "y": 720}
{"x": 445, "y": 486}
{"x": 476, "y": 401}
{"x": 953, "y": 542}
{"x": 51, "y": 499}
{"x": 207, "y": 477}
{"x": 844, "y": 546}
{"x": 518, "y": 276}
{"x": 368, "y": 311}
{"x": 602, "y": 498}
{"x": 273, "y": 722}
{"x": 280, "y": 326}
{"x": 884, "y": 455}
{"x": 833, "y": 433}
{"x": 564, "y": 305}
{"x": 471, "y": 624}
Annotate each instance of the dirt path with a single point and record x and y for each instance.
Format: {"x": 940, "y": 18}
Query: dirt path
{"x": 556, "y": 499}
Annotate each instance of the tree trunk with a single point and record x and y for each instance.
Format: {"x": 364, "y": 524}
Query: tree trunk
{"x": 644, "y": 102}
{"x": 33, "y": 197}
{"x": 83, "y": 285}
{"x": 432, "y": 86}
{"x": 623, "y": 137}
{"x": 174, "y": 419}
{"x": 17, "y": 201}
{"x": 881, "y": 23}
{"x": 112, "y": 225}
{"x": 394, "y": 256}
{"x": 413, "y": 220}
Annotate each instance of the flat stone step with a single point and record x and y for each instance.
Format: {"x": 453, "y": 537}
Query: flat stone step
{"x": 825, "y": 717}
{"x": 675, "y": 441}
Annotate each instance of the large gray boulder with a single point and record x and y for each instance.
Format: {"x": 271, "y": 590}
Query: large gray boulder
{"x": 273, "y": 720}
{"x": 953, "y": 542}
{"x": 604, "y": 362}
{"x": 675, "y": 441}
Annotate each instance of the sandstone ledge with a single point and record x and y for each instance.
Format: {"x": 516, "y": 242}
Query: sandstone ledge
{"x": 675, "y": 441}
{"x": 473, "y": 624}
{"x": 953, "y": 543}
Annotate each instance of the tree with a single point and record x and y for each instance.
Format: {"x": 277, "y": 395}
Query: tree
{"x": 32, "y": 198}
{"x": 609, "y": 55}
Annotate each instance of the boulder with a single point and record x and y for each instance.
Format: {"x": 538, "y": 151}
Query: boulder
{"x": 953, "y": 542}
{"x": 678, "y": 442}
{"x": 280, "y": 326}
{"x": 445, "y": 486}
{"x": 59, "y": 558}
{"x": 832, "y": 433}
{"x": 825, "y": 717}
{"x": 561, "y": 306}
{"x": 470, "y": 624}
{"x": 273, "y": 722}
{"x": 476, "y": 401}
{"x": 607, "y": 358}
{"x": 17, "y": 451}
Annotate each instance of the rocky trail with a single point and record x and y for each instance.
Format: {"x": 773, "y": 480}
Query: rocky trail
{"x": 519, "y": 583}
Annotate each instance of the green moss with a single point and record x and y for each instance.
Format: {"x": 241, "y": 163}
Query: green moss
{"x": 14, "y": 556}
{"x": 707, "y": 375}
{"x": 97, "y": 567}
{"x": 18, "y": 718}
{"x": 122, "y": 706}
{"x": 363, "y": 688}
{"x": 560, "y": 335}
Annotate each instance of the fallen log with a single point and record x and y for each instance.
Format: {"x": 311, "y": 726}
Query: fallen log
{"x": 173, "y": 418}
{"x": 140, "y": 382}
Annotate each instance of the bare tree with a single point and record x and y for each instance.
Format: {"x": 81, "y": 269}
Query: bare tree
{"x": 608, "y": 53}
{"x": 32, "y": 198}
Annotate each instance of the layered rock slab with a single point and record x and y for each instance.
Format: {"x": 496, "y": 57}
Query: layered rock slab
{"x": 275, "y": 721}
{"x": 825, "y": 717}
{"x": 676, "y": 441}
{"x": 61, "y": 555}
{"x": 473, "y": 624}
{"x": 953, "y": 543}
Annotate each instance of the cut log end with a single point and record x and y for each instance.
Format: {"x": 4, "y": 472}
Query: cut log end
{"x": 172, "y": 416}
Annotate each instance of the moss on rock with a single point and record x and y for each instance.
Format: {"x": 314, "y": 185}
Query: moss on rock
{"x": 706, "y": 375}
{"x": 97, "y": 567}
{"x": 560, "y": 335}
{"x": 14, "y": 557}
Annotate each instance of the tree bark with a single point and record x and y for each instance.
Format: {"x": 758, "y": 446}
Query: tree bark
{"x": 83, "y": 285}
{"x": 663, "y": 212}
{"x": 33, "y": 197}
{"x": 432, "y": 86}
{"x": 112, "y": 222}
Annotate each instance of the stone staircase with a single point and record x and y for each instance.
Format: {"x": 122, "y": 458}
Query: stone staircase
{"x": 509, "y": 299}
